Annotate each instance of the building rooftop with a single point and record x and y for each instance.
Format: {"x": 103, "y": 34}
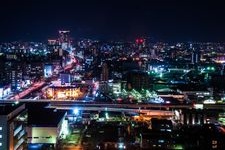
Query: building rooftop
{"x": 44, "y": 117}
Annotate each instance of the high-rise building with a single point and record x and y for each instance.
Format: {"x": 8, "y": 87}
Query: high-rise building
{"x": 12, "y": 126}
{"x": 64, "y": 37}
{"x": 105, "y": 72}
{"x": 6, "y": 71}
{"x": 11, "y": 73}
{"x": 140, "y": 43}
{"x": 54, "y": 47}
{"x": 195, "y": 55}
{"x": 33, "y": 70}
{"x": 16, "y": 79}
{"x": 65, "y": 40}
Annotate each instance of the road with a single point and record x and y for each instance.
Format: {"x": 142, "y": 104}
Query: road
{"x": 121, "y": 105}
{"x": 24, "y": 93}
{"x": 144, "y": 111}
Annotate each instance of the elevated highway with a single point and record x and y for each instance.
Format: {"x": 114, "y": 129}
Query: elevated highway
{"x": 76, "y": 103}
{"x": 80, "y": 103}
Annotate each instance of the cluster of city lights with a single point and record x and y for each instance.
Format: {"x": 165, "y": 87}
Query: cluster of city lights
{"x": 143, "y": 95}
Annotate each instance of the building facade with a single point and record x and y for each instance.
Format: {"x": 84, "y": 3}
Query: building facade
{"x": 12, "y": 127}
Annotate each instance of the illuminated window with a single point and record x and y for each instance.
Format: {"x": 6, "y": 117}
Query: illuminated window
{"x": 0, "y": 128}
{"x": 214, "y": 142}
{"x": 0, "y": 144}
{"x": 0, "y": 136}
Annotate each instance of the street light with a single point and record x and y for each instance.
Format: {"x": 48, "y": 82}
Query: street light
{"x": 76, "y": 111}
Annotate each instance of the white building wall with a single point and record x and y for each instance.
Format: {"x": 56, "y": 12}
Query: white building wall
{"x": 47, "y": 135}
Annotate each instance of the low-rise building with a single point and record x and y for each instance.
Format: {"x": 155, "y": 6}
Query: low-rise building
{"x": 46, "y": 127}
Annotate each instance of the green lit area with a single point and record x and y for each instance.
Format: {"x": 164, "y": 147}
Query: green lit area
{"x": 140, "y": 96}
{"x": 177, "y": 147}
{"x": 107, "y": 116}
{"x": 156, "y": 73}
{"x": 221, "y": 118}
{"x": 209, "y": 69}
{"x": 72, "y": 140}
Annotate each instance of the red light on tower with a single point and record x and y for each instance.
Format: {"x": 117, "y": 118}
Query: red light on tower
{"x": 137, "y": 41}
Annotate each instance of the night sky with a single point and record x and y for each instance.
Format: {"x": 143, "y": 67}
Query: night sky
{"x": 170, "y": 20}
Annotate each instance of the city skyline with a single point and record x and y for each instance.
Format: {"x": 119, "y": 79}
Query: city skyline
{"x": 171, "y": 20}
{"x": 112, "y": 75}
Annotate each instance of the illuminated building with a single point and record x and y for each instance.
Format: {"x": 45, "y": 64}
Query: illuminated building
{"x": 153, "y": 53}
{"x": 5, "y": 91}
{"x": 5, "y": 72}
{"x": 64, "y": 36}
{"x": 46, "y": 130}
{"x": 220, "y": 60}
{"x": 105, "y": 72}
{"x": 12, "y": 127}
{"x": 11, "y": 73}
{"x": 33, "y": 70}
{"x": 57, "y": 46}
{"x": 64, "y": 40}
{"x": 16, "y": 77}
{"x": 66, "y": 92}
{"x": 115, "y": 87}
{"x": 169, "y": 94}
{"x": 195, "y": 55}
{"x": 65, "y": 78}
{"x": 54, "y": 47}
{"x": 140, "y": 43}
{"x": 48, "y": 70}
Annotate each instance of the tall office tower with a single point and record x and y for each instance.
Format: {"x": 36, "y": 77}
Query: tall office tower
{"x": 64, "y": 36}
{"x": 153, "y": 53}
{"x": 8, "y": 72}
{"x": 105, "y": 72}
{"x": 12, "y": 126}
{"x": 195, "y": 57}
{"x": 140, "y": 43}
{"x": 65, "y": 40}
{"x": 11, "y": 73}
{"x": 54, "y": 47}
{"x": 17, "y": 75}
{"x": 195, "y": 54}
